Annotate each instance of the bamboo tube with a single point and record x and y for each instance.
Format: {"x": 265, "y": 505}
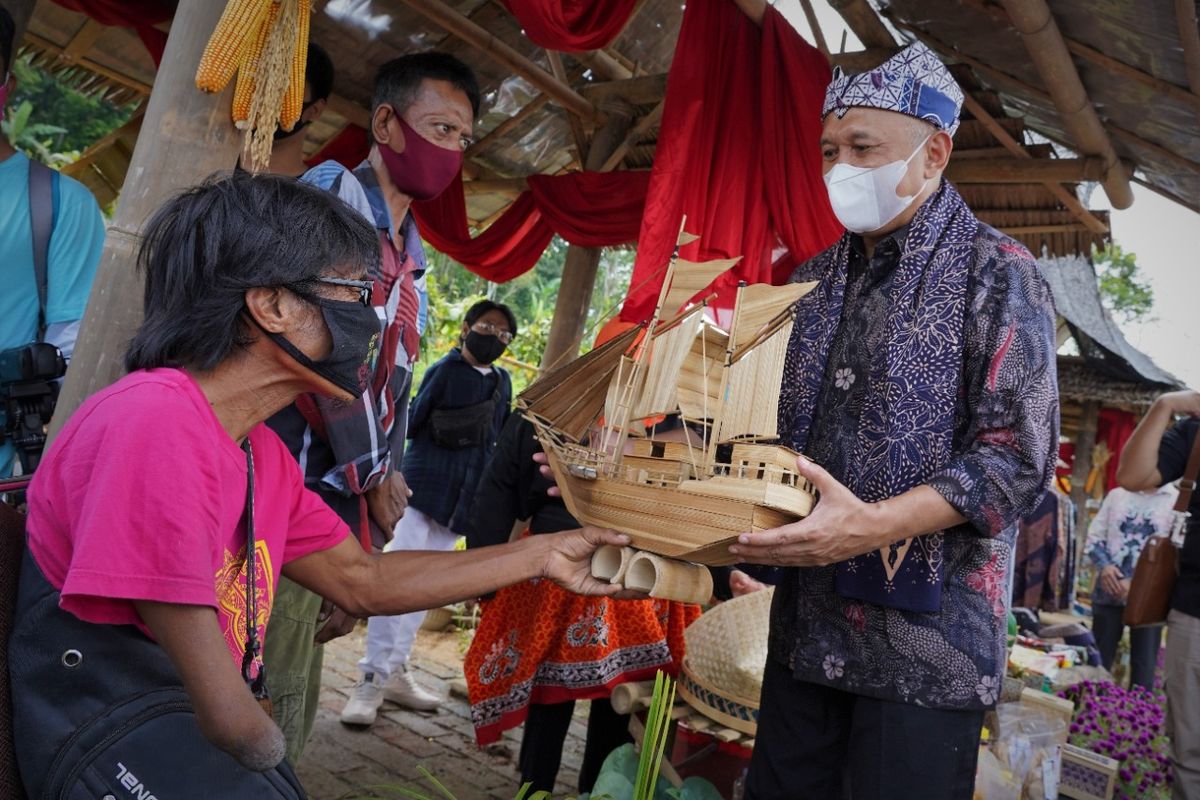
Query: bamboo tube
{"x": 610, "y": 563}
{"x": 669, "y": 579}
{"x": 629, "y": 697}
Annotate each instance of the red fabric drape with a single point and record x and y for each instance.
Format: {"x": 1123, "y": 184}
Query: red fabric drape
{"x": 1114, "y": 428}
{"x": 738, "y": 152}
{"x": 592, "y": 209}
{"x": 141, "y": 15}
{"x": 572, "y": 25}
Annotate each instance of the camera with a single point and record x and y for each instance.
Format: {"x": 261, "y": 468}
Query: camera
{"x": 28, "y": 392}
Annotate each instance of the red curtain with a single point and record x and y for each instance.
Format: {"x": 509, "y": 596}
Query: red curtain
{"x": 141, "y": 15}
{"x": 1114, "y": 428}
{"x": 572, "y": 25}
{"x": 738, "y": 153}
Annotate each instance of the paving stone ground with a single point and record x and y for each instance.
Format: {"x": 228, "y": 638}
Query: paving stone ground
{"x": 341, "y": 763}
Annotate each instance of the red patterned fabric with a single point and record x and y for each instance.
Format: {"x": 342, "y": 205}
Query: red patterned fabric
{"x": 572, "y": 25}
{"x": 538, "y": 643}
{"x": 141, "y": 15}
{"x": 738, "y": 153}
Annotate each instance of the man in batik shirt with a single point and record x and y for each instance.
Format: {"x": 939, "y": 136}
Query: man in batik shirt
{"x": 921, "y": 378}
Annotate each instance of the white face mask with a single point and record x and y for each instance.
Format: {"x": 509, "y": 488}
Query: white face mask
{"x": 864, "y": 199}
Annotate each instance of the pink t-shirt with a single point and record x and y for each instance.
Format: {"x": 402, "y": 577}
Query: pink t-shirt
{"x": 141, "y": 497}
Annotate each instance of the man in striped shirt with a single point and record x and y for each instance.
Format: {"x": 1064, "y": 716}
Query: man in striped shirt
{"x": 422, "y": 118}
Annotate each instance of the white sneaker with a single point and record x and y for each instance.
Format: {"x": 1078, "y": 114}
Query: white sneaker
{"x": 363, "y": 705}
{"x": 400, "y": 688}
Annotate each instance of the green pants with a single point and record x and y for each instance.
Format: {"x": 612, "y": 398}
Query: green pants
{"x": 293, "y": 663}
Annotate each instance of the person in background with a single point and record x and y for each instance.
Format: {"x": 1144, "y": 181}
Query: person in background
{"x": 456, "y": 415}
{"x": 921, "y": 378}
{"x": 287, "y": 154}
{"x": 538, "y": 649}
{"x": 1157, "y": 454}
{"x": 71, "y": 251}
{"x": 422, "y": 117}
{"x": 1125, "y": 521}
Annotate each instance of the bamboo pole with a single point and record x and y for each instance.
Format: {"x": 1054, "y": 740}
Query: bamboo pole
{"x": 815, "y": 26}
{"x": 1084, "y": 442}
{"x": 1018, "y": 170}
{"x": 865, "y": 23}
{"x": 470, "y": 32}
{"x": 1044, "y": 42}
{"x": 187, "y": 135}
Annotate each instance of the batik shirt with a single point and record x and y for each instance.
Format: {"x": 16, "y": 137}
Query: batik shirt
{"x": 1120, "y": 529}
{"x": 1004, "y": 442}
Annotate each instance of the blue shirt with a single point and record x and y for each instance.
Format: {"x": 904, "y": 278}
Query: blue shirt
{"x": 75, "y": 246}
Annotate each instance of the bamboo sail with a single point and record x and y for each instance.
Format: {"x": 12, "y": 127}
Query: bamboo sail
{"x": 689, "y": 278}
{"x": 699, "y": 386}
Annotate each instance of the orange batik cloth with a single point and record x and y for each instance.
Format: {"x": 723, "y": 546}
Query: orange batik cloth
{"x": 539, "y": 643}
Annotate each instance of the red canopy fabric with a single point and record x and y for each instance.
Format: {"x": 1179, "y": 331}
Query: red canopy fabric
{"x": 572, "y": 25}
{"x": 592, "y": 209}
{"x": 738, "y": 153}
{"x": 141, "y": 15}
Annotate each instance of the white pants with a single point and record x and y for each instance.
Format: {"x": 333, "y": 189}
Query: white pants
{"x": 1183, "y": 702}
{"x": 390, "y": 639}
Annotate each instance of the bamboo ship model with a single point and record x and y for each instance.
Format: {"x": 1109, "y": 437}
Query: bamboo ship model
{"x": 678, "y": 499}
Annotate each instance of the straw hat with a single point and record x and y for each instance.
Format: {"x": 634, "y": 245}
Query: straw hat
{"x": 726, "y": 655}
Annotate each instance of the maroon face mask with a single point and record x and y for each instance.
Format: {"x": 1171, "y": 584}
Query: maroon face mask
{"x": 423, "y": 170}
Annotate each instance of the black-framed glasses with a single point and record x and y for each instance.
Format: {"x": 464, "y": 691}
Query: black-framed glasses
{"x": 488, "y": 329}
{"x": 364, "y": 287}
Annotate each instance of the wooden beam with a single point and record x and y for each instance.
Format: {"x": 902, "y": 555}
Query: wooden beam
{"x": 1022, "y": 170}
{"x": 603, "y": 65}
{"x": 1064, "y": 195}
{"x": 573, "y": 120}
{"x": 865, "y": 23}
{"x": 1033, "y": 230}
{"x": 815, "y": 26}
{"x": 530, "y": 108}
{"x": 1084, "y": 442}
{"x": 641, "y": 91}
{"x": 82, "y": 41}
{"x": 90, "y": 65}
{"x": 506, "y": 186}
{"x": 187, "y": 135}
{"x": 1170, "y": 156}
{"x": 1044, "y": 43}
{"x": 1189, "y": 37}
{"x": 636, "y": 134}
{"x": 470, "y": 32}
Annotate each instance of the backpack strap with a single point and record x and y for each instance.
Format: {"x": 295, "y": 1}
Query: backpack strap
{"x": 41, "y": 222}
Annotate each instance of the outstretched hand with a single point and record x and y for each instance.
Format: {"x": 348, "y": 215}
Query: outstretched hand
{"x": 840, "y": 527}
{"x": 569, "y": 560}
{"x": 547, "y": 473}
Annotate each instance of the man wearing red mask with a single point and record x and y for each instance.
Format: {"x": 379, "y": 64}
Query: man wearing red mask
{"x": 422, "y": 116}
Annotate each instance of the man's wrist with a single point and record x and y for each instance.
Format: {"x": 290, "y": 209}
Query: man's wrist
{"x": 880, "y": 523}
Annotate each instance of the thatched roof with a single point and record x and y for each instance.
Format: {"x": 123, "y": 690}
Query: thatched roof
{"x": 1078, "y": 383}
{"x": 998, "y": 165}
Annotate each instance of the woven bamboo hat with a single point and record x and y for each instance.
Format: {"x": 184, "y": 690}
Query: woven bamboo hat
{"x": 726, "y": 655}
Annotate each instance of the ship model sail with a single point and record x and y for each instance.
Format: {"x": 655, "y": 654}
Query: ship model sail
{"x": 678, "y": 499}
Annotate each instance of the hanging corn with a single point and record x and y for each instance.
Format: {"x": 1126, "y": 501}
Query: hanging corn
{"x": 266, "y": 42}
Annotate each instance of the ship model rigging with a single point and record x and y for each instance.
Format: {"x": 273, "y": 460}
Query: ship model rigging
{"x": 678, "y": 499}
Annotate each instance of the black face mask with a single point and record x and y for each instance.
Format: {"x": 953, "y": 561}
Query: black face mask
{"x": 356, "y": 331}
{"x": 484, "y": 347}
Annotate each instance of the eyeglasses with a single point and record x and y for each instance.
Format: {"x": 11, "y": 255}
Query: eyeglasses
{"x": 488, "y": 329}
{"x": 365, "y": 288}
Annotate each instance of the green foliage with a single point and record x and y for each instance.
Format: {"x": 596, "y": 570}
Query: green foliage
{"x": 453, "y": 289}
{"x": 1123, "y": 288}
{"x": 60, "y": 119}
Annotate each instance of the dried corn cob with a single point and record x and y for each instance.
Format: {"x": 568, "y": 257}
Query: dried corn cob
{"x": 239, "y": 23}
{"x": 271, "y": 80}
{"x": 293, "y": 100}
{"x": 248, "y": 68}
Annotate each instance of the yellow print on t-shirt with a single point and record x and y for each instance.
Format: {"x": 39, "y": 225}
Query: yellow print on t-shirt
{"x": 231, "y": 595}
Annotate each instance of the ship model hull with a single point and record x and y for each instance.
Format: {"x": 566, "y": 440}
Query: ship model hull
{"x": 663, "y": 511}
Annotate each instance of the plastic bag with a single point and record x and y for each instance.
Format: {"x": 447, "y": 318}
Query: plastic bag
{"x": 619, "y": 771}
{"x": 1027, "y": 745}
{"x": 994, "y": 781}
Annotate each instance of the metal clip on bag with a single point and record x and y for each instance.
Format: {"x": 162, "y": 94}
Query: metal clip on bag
{"x": 1157, "y": 568}
{"x": 100, "y": 711}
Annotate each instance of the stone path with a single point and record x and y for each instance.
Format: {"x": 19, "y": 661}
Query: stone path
{"x": 344, "y": 763}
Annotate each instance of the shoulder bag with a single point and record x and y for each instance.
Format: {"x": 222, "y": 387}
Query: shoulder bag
{"x": 100, "y": 711}
{"x": 469, "y": 426}
{"x": 1149, "y": 598}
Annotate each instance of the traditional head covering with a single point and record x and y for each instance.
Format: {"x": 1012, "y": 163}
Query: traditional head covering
{"x": 913, "y": 82}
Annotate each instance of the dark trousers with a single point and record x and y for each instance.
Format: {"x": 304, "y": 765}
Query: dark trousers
{"x": 1144, "y": 643}
{"x": 546, "y": 730}
{"x": 817, "y": 743}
